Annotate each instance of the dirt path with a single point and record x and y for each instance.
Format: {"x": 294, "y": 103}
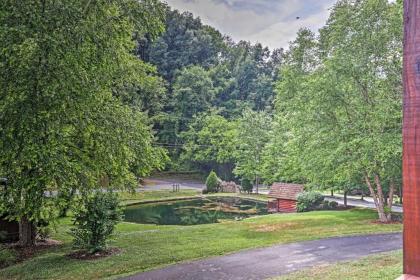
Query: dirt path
{"x": 273, "y": 261}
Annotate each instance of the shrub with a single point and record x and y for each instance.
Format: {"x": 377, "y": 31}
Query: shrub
{"x": 247, "y": 185}
{"x": 325, "y": 205}
{"x": 43, "y": 230}
{"x": 95, "y": 221}
{"x": 308, "y": 201}
{"x": 212, "y": 182}
{"x": 3, "y": 235}
{"x": 333, "y": 204}
{"x": 7, "y": 257}
{"x": 43, "y": 233}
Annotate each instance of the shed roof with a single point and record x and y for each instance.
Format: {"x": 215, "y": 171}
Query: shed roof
{"x": 285, "y": 191}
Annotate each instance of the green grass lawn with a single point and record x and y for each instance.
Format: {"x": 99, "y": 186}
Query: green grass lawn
{"x": 154, "y": 196}
{"x": 149, "y": 246}
{"x": 165, "y": 195}
{"x": 380, "y": 267}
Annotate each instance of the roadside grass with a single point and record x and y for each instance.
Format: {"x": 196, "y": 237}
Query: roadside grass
{"x": 386, "y": 266}
{"x": 145, "y": 247}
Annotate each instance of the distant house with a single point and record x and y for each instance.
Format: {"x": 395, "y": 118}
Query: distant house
{"x": 285, "y": 197}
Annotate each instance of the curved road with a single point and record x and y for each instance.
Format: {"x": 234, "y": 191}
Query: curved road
{"x": 366, "y": 203}
{"x": 257, "y": 264}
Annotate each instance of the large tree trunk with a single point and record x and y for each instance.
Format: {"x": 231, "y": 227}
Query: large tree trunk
{"x": 27, "y": 232}
{"x": 391, "y": 199}
{"x": 256, "y": 183}
{"x": 378, "y": 197}
{"x": 383, "y": 216}
{"x": 345, "y": 199}
{"x": 401, "y": 194}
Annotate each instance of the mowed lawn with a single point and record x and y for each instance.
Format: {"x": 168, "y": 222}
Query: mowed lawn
{"x": 146, "y": 247}
{"x": 386, "y": 266}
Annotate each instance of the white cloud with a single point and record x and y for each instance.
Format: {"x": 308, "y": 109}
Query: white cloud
{"x": 270, "y": 22}
{"x": 281, "y": 33}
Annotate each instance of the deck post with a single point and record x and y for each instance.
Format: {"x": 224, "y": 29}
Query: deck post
{"x": 411, "y": 139}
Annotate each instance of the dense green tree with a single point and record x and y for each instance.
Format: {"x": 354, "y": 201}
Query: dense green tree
{"x": 185, "y": 42}
{"x": 340, "y": 98}
{"x": 212, "y": 182}
{"x": 242, "y": 74}
{"x": 63, "y": 68}
{"x": 210, "y": 144}
{"x": 253, "y": 134}
{"x": 193, "y": 93}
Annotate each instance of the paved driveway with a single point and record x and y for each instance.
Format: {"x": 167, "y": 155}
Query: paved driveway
{"x": 273, "y": 261}
{"x": 361, "y": 203}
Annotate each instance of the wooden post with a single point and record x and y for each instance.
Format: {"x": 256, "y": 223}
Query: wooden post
{"x": 411, "y": 138}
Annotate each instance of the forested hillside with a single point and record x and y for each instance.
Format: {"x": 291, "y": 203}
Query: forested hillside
{"x": 208, "y": 77}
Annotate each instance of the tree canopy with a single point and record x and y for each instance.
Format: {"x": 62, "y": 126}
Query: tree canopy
{"x": 340, "y": 97}
{"x": 64, "y": 67}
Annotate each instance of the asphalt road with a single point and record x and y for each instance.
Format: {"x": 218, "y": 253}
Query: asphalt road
{"x": 277, "y": 260}
{"x": 361, "y": 203}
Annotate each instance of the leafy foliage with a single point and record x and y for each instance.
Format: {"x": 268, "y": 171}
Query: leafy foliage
{"x": 210, "y": 143}
{"x": 206, "y": 72}
{"x": 339, "y": 101}
{"x": 253, "y": 134}
{"x": 247, "y": 185}
{"x": 64, "y": 73}
{"x": 308, "y": 201}
{"x": 7, "y": 256}
{"x": 212, "y": 182}
{"x": 95, "y": 221}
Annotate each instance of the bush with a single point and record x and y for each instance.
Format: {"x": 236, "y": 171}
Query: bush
{"x": 3, "y": 235}
{"x": 325, "y": 205}
{"x": 247, "y": 185}
{"x": 333, "y": 204}
{"x": 43, "y": 233}
{"x": 308, "y": 201}
{"x": 7, "y": 257}
{"x": 95, "y": 221}
{"x": 212, "y": 183}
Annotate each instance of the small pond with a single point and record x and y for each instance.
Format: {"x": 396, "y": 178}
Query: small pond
{"x": 195, "y": 211}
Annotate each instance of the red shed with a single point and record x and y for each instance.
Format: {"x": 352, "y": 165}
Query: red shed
{"x": 286, "y": 197}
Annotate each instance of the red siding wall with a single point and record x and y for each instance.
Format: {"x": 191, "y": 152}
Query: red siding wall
{"x": 286, "y": 206}
{"x": 411, "y": 138}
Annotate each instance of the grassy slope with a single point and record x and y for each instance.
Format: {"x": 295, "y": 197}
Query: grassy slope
{"x": 148, "y": 196}
{"x": 381, "y": 267}
{"x": 150, "y": 246}
{"x": 164, "y": 195}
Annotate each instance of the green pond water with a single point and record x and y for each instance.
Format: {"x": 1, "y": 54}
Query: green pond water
{"x": 195, "y": 211}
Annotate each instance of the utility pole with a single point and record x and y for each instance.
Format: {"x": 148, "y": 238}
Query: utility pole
{"x": 411, "y": 139}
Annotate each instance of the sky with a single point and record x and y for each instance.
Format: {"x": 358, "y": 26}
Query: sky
{"x": 272, "y": 23}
